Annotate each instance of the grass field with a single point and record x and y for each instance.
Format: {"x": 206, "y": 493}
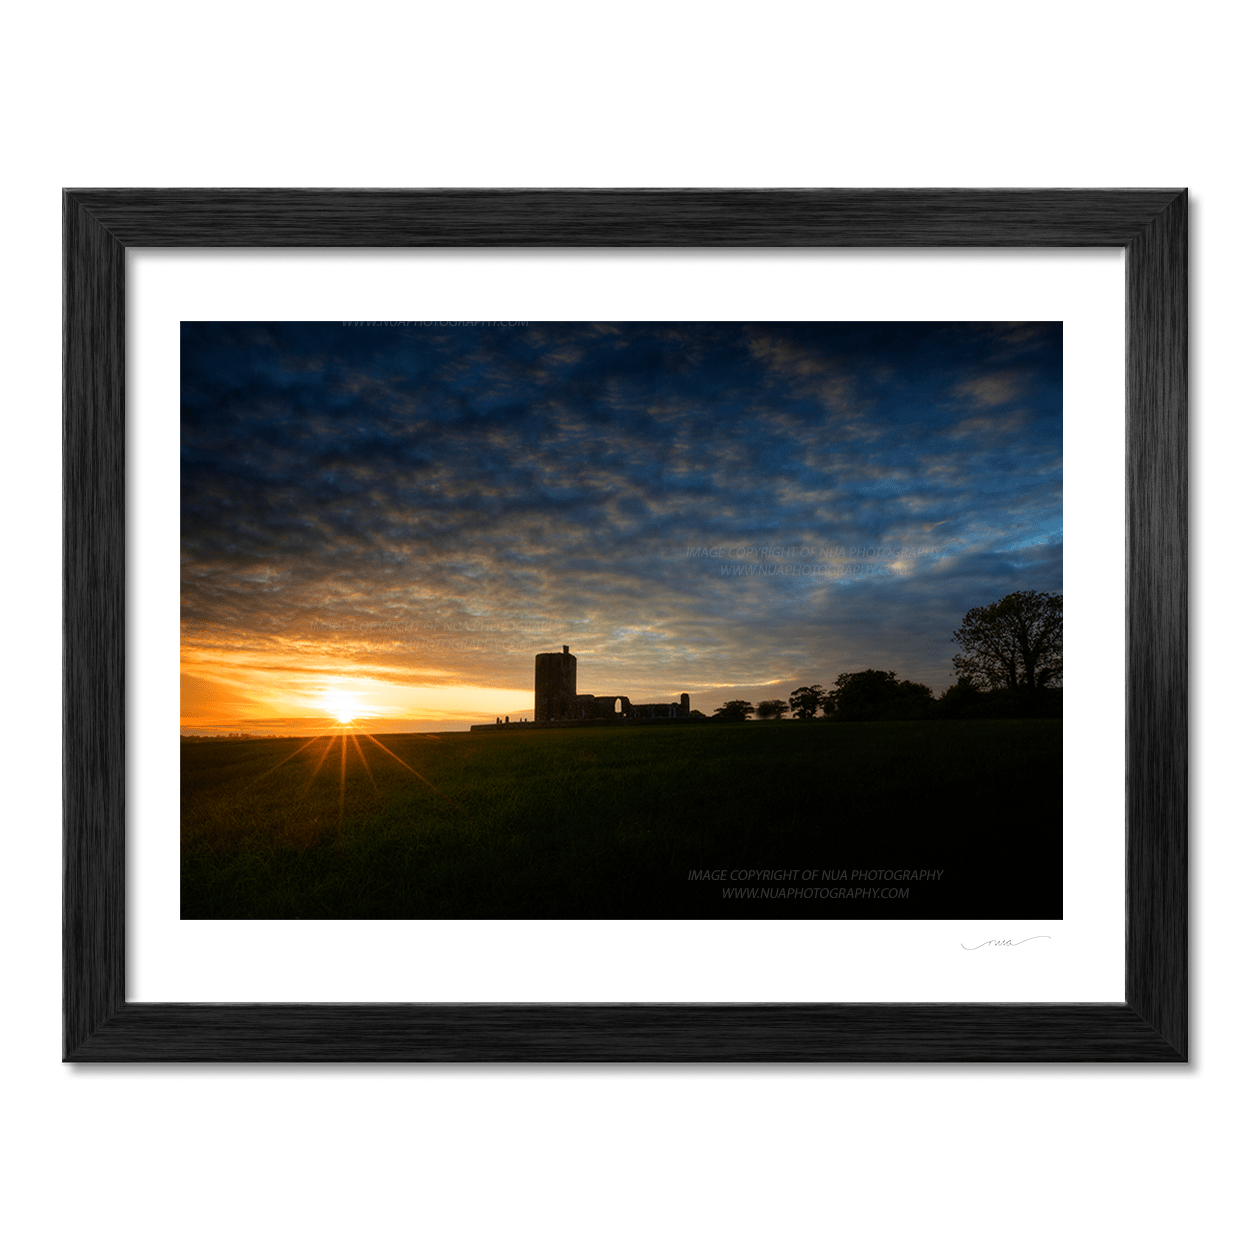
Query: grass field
{"x": 609, "y": 823}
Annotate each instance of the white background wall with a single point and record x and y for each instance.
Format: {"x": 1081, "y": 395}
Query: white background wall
{"x": 490, "y": 94}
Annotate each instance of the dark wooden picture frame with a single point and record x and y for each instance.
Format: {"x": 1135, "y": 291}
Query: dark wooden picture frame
{"x": 1150, "y": 1025}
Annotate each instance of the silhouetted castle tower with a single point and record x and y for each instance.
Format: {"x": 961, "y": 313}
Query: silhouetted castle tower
{"x": 555, "y": 685}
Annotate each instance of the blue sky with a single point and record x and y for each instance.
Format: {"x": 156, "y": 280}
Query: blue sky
{"x": 423, "y": 507}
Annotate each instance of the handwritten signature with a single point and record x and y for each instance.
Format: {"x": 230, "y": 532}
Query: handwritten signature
{"x": 1004, "y": 942}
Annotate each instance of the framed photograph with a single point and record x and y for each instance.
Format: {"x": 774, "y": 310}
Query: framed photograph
{"x": 574, "y": 630}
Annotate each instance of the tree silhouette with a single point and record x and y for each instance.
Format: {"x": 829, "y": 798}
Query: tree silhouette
{"x": 877, "y": 695}
{"x": 770, "y": 709}
{"x": 806, "y": 701}
{"x": 961, "y": 700}
{"x": 735, "y": 709}
{"x": 1014, "y": 644}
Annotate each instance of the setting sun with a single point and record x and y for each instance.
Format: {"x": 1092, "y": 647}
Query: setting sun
{"x": 342, "y": 705}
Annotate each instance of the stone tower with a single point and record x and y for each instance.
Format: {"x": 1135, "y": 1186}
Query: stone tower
{"x": 555, "y": 685}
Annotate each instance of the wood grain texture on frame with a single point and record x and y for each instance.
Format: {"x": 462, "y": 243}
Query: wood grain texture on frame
{"x": 99, "y": 1025}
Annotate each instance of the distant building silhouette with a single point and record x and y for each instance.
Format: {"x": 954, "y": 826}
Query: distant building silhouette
{"x": 557, "y": 703}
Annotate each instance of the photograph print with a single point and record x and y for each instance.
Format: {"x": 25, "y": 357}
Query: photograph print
{"x": 630, "y": 620}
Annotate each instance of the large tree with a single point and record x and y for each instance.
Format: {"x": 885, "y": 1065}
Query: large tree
{"x": 805, "y": 701}
{"x": 770, "y": 709}
{"x": 1014, "y": 644}
{"x": 735, "y": 710}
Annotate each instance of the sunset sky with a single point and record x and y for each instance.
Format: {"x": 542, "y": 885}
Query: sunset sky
{"x": 387, "y": 521}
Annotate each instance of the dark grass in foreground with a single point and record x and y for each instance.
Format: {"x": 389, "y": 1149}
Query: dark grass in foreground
{"x": 609, "y": 823}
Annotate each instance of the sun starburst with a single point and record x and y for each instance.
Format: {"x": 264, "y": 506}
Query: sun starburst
{"x": 344, "y": 706}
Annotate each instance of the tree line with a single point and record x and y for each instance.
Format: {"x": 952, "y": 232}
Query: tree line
{"x": 1010, "y": 664}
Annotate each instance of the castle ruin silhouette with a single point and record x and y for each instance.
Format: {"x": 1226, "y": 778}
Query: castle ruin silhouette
{"x": 558, "y": 705}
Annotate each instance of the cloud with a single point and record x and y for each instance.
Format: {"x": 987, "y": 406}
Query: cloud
{"x": 362, "y": 498}
{"x": 990, "y": 390}
{"x": 988, "y": 429}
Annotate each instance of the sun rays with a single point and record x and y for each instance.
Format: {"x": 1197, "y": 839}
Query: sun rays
{"x": 317, "y": 767}
{"x": 342, "y": 732}
{"x": 365, "y": 762}
{"x": 279, "y": 764}
{"x": 413, "y": 771}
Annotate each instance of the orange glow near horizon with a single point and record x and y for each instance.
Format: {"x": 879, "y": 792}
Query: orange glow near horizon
{"x": 267, "y": 691}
